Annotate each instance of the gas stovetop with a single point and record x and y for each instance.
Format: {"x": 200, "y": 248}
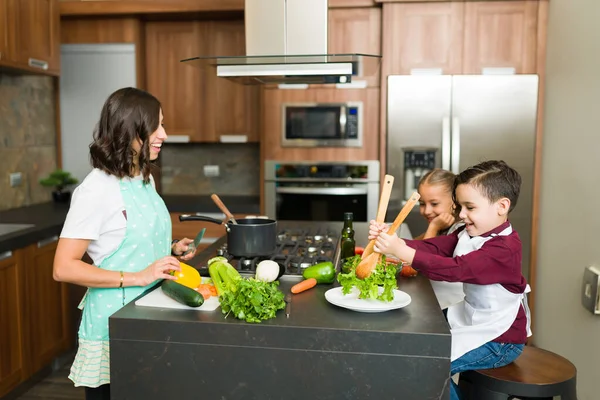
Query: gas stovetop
{"x": 296, "y": 250}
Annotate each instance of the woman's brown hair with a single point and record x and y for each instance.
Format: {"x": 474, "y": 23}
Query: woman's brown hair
{"x": 128, "y": 114}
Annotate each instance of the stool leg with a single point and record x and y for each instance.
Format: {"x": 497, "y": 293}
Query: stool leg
{"x": 481, "y": 393}
{"x": 465, "y": 388}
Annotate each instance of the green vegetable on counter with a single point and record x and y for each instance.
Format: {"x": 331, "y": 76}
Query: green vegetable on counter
{"x": 253, "y": 301}
{"x": 323, "y": 272}
{"x": 247, "y": 299}
{"x": 182, "y": 294}
{"x": 384, "y": 275}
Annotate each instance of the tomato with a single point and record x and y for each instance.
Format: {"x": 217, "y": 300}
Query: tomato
{"x": 358, "y": 250}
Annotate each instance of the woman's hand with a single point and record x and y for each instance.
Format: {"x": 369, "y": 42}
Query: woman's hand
{"x": 159, "y": 269}
{"x": 182, "y": 246}
{"x": 442, "y": 221}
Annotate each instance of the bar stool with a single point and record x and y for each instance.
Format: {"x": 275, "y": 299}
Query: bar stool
{"x": 535, "y": 374}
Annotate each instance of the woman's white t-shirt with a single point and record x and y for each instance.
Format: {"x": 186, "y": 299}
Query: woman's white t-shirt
{"x": 97, "y": 214}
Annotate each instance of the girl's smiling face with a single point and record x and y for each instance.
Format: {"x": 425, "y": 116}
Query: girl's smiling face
{"x": 435, "y": 200}
{"x": 479, "y": 214}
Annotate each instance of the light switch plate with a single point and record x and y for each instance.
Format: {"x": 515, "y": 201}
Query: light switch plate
{"x": 211, "y": 171}
{"x": 15, "y": 179}
{"x": 590, "y": 289}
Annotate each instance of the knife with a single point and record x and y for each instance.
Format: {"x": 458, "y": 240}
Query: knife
{"x": 288, "y": 307}
{"x": 192, "y": 246}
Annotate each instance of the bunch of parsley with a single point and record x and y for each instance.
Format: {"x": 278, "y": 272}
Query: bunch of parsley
{"x": 252, "y": 301}
{"x": 383, "y": 275}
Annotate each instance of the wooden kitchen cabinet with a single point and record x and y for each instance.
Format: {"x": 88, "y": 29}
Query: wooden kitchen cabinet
{"x": 47, "y": 306}
{"x": 195, "y": 102}
{"x": 176, "y": 85}
{"x": 229, "y": 108}
{"x": 355, "y": 30}
{"x": 460, "y": 37}
{"x": 31, "y": 36}
{"x": 12, "y": 300}
{"x": 501, "y": 34}
{"x": 422, "y": 36}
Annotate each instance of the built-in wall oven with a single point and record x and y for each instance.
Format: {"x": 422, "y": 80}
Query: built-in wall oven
{"x": 321, "y": 191}
{"x": 322, "y": 124}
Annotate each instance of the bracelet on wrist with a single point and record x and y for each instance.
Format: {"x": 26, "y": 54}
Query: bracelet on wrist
{"x": 122, "y": 279}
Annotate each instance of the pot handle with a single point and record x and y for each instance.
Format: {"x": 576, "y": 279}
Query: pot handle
{"x": 189, "y": 217}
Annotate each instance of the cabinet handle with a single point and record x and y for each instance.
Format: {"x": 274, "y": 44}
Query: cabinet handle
{"x": 38, "y": 63}
{"x": 45, "y": 242}
{"x": 0, "y": 55}
{"x": 5, "y": 255}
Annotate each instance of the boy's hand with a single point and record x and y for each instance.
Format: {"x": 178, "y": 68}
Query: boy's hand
{"x": 375, "y": 228}
{"x": 442, "y": 221}
{"x": 393, "y": 245}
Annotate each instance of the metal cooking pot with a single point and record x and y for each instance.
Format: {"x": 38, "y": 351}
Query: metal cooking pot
{"x": 249, "y": 237}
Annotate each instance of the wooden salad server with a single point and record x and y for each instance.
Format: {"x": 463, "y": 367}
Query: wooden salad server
{"x": 368, "y": 263}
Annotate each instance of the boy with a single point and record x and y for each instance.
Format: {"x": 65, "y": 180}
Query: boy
{"x": 490, "y": 326}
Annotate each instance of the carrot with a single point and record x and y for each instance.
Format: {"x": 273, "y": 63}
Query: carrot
{"x": 304, "y": 285}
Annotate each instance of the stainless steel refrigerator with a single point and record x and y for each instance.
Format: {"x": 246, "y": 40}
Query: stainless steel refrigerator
{"x": 454, "y": 122}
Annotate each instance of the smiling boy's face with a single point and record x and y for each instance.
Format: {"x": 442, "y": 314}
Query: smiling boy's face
{"x": 478, "y": 213}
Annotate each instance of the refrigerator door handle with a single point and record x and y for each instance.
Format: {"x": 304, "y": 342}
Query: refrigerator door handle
{"x": 455, "y": 145}
{"x": 446, "y": 143}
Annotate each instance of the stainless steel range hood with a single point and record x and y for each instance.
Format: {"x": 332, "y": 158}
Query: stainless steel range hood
{"x": 286, "y": 42}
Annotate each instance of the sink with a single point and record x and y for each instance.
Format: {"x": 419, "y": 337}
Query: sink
{"x": 5, "y": 229}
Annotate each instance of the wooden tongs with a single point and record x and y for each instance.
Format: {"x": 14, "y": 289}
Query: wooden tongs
{"x": 370, "y": 258}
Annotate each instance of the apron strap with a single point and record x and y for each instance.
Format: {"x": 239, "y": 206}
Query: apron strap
{"x": 527, "y": 312}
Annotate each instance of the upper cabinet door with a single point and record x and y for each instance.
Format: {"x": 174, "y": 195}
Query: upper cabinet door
{"x": 4, "y": 30}
{"x": 500, "y": 34}
{"x": 229, "y": 109}
{"x": 422, "y": 36}
{"x": 355, "y": 30}
{"x": 36, "y": 34}
{"x": 175, "y": 84}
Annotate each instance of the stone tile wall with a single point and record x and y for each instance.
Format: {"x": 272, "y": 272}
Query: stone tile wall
{"x": 183, "y": 173}
{"x": 27, "y": 137}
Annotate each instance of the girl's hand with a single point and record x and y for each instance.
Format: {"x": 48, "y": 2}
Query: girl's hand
{"x": 375, "y": 228}
{"x": 442, "y": 221}
{"x": 182, "y": 246}
{"x": 159, "y": 269}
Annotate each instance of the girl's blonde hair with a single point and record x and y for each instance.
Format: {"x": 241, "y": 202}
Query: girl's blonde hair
{"x": 438, "y": 176}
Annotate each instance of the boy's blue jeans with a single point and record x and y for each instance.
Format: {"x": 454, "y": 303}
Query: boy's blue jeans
{"x": 490, "y": 355}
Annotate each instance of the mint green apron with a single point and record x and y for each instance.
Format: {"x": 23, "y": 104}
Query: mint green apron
{"x": 147, "y": 238}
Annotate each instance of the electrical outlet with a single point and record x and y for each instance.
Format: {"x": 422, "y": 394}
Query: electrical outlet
{"x": 15, "y": 179}
{"x": 590, "y": 289}
{"x": 211, "y": 171}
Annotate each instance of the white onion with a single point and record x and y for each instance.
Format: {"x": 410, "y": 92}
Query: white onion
{"x": 267, "y": 271}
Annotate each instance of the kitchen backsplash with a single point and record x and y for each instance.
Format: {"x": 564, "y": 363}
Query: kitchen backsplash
{"x": 182, "y": 169}
{"x": 27, "y": 137}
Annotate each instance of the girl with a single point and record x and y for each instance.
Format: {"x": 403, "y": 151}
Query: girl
{"x": 118, "y": 218}
{"x": 437, "y": 207}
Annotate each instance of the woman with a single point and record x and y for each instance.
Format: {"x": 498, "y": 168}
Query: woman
{"x": 118, "y": 218}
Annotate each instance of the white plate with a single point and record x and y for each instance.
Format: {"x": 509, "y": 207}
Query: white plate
{"x": 352, "y": 302}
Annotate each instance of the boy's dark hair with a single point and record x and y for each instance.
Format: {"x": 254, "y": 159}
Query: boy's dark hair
{"x": 128, "y": 114}
{"x": 494, "y": 180}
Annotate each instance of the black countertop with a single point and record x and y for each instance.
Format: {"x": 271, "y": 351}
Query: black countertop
{"x": 48, "y": 218}
{"x": 393, "y": 351}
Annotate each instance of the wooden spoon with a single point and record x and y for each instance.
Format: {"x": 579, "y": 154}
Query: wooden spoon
{"x": 367, "y": 265}
{"x": 222, "y": 207}
{"x": 384, "y": 199}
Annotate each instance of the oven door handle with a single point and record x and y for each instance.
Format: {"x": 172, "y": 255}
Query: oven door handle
{"x": 336, "y": 191}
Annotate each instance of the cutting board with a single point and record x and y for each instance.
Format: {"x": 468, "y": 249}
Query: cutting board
{"x": 157, "y": 298}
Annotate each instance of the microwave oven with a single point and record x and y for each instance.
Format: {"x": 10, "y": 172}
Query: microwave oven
{"x": 322, "y": 124}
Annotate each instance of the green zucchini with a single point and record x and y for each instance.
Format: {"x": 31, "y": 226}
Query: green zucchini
{"x": 182, "y": 294}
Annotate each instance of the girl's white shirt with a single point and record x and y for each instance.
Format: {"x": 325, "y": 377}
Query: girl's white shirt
{"x": 96, "y": 214}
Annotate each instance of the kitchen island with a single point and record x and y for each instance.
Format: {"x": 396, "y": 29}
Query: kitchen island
{"x": 320, "y": 352}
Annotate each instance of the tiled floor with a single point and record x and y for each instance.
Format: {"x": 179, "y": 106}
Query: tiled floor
{"x": 55, "y": 387}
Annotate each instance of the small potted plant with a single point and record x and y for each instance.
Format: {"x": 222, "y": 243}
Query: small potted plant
{"x": 59, "y": 180}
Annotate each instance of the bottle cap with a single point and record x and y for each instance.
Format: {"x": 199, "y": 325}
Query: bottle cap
{"x": 348, "y": 216}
